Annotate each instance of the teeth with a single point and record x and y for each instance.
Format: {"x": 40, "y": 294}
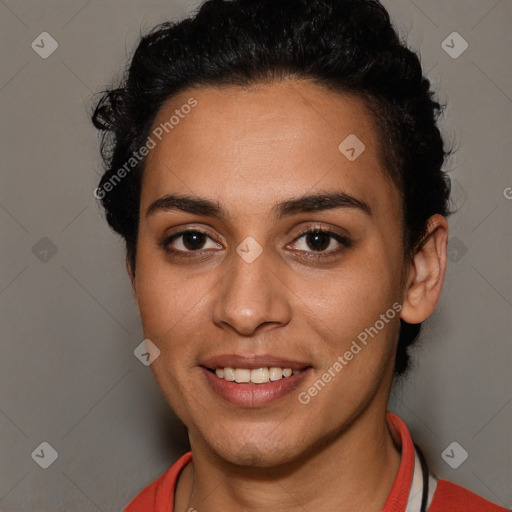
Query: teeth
{"x": 242, "y": 375}
{"x": 229, "y": 374}
{"x": 255, "y": 376}
{"x": 260, "y": 375}
{"x": 276, "y": 373}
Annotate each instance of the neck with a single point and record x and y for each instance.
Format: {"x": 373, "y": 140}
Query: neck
{"x": 353, "y": 470}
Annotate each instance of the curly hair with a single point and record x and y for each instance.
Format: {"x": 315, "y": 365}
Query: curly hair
{"x": 347, "y": 46}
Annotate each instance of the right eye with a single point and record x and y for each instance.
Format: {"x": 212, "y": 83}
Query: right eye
{"x": 189, "y": 241}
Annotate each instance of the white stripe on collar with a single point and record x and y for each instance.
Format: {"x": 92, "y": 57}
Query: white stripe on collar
{"x": 416, "y": 491}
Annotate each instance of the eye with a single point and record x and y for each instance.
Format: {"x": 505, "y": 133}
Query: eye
{"x": 319, "y": 240}
{"x": 189, "y": 241}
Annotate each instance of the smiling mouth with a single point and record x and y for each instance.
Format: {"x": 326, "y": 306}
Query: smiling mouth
{"x": 254, "y": 375}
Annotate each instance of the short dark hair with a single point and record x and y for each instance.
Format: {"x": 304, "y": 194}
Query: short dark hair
{"x": 348, "y": 46}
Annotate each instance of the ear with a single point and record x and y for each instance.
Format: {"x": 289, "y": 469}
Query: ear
{"x": 426, "y": 273}
{"x": 131, "y": 274}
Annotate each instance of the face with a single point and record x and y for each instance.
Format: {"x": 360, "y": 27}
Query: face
{"x": 291, "y": 258}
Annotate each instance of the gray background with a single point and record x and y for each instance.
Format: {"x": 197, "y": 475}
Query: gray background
{"x": 68, "y": 375}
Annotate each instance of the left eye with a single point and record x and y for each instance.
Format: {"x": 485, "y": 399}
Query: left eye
{"x": 188, "y": 241}
{"x": 319, "y": 241}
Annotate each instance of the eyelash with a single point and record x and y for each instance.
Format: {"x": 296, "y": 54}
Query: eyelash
{"x": 165, "y": 243}
{"x": 344, "y": 241}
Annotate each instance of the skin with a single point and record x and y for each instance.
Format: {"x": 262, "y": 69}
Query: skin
{"x": 247, "y": 150}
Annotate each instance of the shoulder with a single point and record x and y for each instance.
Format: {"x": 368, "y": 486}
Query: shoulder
{"x": 450, "y": 497}
{"x": 157, "y": 495}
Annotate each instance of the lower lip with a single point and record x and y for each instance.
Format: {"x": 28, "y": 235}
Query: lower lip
{"x": 254, "y": 395}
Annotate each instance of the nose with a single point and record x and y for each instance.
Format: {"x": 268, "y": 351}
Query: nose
{"x": 251, "y": 298}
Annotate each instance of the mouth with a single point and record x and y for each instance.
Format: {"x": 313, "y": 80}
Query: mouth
{"x": 252, "y": 381}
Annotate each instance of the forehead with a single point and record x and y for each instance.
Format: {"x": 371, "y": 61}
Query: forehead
{"x": 264, "y": 143}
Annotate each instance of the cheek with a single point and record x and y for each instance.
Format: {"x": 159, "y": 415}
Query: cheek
{"x": 171, "y": 310}
{"x": 355, "y": 345}
{"x": 344, "y": 302}
{"x": 169, "y": 302}
{"x": 351, "y": 313}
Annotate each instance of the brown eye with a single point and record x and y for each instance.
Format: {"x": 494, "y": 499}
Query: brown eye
{"x": 189, "y": 241}
{"x": 318, "y": 241}
{"x": 194, "y": 240}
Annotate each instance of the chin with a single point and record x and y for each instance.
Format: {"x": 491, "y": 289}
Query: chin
{"x": 260, "y": 456}
{"x": 253, "y": 450}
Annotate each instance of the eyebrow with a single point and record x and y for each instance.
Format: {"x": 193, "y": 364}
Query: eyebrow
{"x": 303, "y": 204}
{"x": 321, "y": 202}
{"x": 187, "y": 204}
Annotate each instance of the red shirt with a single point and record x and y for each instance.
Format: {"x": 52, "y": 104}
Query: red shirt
{"x": 448, "y": 497}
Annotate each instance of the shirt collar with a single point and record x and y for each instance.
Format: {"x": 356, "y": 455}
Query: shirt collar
{"x": 399, "y": 494}
{"x": 402, "y": 492}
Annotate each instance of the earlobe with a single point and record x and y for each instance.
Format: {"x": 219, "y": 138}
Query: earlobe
{"x": 426, "y": 273}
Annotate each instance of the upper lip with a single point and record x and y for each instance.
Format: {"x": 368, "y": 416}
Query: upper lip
{"x": 252, "y": 361}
